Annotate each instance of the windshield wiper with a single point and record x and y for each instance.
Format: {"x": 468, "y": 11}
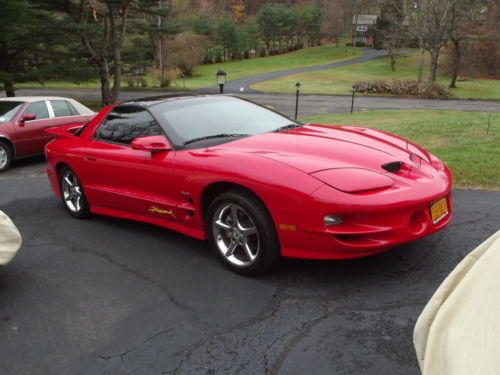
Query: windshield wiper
{"x": 288, "y": 127}
{"x": 222, "y": 135}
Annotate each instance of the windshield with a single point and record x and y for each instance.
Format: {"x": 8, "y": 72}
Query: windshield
{"x": 201, "y": 117}
{"x": 8, "y": 110}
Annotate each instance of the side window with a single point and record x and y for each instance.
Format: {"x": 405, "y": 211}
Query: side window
{"x": 73, "y": 109}
{"x": 61, "y": 108}
{"x": 125, "y": 123}
{"x": 39, "y": 109}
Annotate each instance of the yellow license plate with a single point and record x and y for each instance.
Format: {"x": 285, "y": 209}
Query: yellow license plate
{"x": 439, "y": 210}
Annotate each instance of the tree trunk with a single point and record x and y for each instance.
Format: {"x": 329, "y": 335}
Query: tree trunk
{"x": 420, "y": 69}
{"x": 392, "y": 58}
{"x": 434, "y": 64}
{"x": 9, "y": 88}
{"x": 104, "y": 77}
{"x": 456, "y": 63}
{"x": 117, "y": 75}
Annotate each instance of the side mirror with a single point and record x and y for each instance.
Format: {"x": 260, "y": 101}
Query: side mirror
{"x": 155, "y": 143}
{"x": 28, "y": 117}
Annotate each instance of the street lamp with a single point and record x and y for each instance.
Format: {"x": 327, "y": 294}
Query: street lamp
{"x": 297, "y": 86}
{"x": 221, "y": 79}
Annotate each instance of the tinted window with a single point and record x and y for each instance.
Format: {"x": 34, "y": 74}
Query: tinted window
{"x": 200, "y": 117}
{"x": 39, "y": 109}
{"x": 125, "y": 123}
{"x": 61, "y": 108}
{"x": 8, "y": 110}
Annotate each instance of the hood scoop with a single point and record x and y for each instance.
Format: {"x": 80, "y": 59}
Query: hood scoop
{"x": 393, "y": 167}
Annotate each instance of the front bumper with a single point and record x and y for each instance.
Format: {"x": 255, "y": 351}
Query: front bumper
{"x": 365, "y": 231}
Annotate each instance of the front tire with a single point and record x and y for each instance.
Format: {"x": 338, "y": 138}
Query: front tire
{"x": 72, "y": 194}
{"x": 5, "y": 156}
{"x": 242, "y": 232}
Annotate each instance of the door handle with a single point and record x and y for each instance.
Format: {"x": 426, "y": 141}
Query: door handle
{"x": 91, "y": 159}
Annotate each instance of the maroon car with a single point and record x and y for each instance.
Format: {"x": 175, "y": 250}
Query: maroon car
{"x": 23, "y": 121}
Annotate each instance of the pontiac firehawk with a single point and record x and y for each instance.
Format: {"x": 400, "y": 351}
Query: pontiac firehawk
{"x": 255, "y": 183}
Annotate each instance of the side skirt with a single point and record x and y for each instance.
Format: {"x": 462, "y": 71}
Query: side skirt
{"x": 178, "y": 227}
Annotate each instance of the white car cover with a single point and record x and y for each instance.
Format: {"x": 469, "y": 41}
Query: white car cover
{"x": 458, "y": 333}
{"x": 10, "y": 239}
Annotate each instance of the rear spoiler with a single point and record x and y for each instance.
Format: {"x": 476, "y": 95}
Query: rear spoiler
{"x": 65, "y": 130}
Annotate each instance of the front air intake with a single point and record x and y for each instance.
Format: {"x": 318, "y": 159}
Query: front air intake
{"x": 393, "y": 167}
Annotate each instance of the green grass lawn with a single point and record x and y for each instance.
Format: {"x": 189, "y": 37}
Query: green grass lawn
{"x": 204, "y": 75}
{"x": 339, "y": 81}
{"x": 459, "y": 138}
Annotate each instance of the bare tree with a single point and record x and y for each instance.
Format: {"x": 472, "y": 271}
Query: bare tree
{"x": 429, "y": 24}
{"x": 464, "y": 13}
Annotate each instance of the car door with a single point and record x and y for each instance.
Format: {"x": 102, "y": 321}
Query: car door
{"x": 132, "y": 181}
{"x": 30, "y": 135}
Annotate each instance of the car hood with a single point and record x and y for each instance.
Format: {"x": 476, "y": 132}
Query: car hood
{"x": 314, "y": 148}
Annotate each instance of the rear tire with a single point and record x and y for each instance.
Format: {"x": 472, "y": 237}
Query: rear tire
{"x": 242, "y": 232}
{"x": 5, "y": 156}
{"x": 72, "y": 194}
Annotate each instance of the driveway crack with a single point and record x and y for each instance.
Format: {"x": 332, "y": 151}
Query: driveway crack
{"x": 128, "y": 351}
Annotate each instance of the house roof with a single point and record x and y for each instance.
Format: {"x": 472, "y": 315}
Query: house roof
{"x": 364, "y": 19}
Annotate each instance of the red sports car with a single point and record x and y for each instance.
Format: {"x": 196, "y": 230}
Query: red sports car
{"x": 23, "y": 121}
{"x": 254, "y": 183}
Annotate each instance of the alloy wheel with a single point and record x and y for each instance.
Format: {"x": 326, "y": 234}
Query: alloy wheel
{"x": 71, "y": 191}
{"x": 236, "y": 235}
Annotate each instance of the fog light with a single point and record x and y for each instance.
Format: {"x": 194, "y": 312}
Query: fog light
{"x": 332, "y": 220}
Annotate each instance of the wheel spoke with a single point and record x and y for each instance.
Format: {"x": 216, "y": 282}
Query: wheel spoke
{"x": 248, "y": 252}
{"x": 222, "y": 225}
{"x": 231, "y": 248}
{"x": 234, "y": 215}
{"x": 68, "y": 181}
{"x": 247, "y": 231}
{"x": 78, "y": 202}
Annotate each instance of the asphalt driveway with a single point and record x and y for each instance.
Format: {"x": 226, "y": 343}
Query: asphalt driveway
{"x": 107, "y": 296}
{"x": 309, "y": 105}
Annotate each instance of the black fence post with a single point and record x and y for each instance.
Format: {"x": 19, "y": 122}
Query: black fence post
{"x": 352, "y": 101}
{"x": 297, "y": 85}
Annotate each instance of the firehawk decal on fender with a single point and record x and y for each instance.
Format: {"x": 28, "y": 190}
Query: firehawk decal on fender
{"x": 261, "y": 186}
{"x": 160, "y": 211}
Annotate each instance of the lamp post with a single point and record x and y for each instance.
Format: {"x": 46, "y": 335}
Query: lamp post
{"x": 297, "y": 86}
{"x": 183, "y": 76}
{"x": 221, "y": 79}
{"x": 352, "y": 101}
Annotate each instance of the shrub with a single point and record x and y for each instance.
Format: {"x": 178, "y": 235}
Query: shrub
{"x": 399, "y": 87}
{"x": 186, "y": 51}
{"x": 170, "y": 75}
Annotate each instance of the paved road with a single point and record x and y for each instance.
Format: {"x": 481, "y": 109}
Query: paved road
{"x": 308, "y": 105}
{"x": 234, "y": 86}
{"x": 106, "y": 296}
